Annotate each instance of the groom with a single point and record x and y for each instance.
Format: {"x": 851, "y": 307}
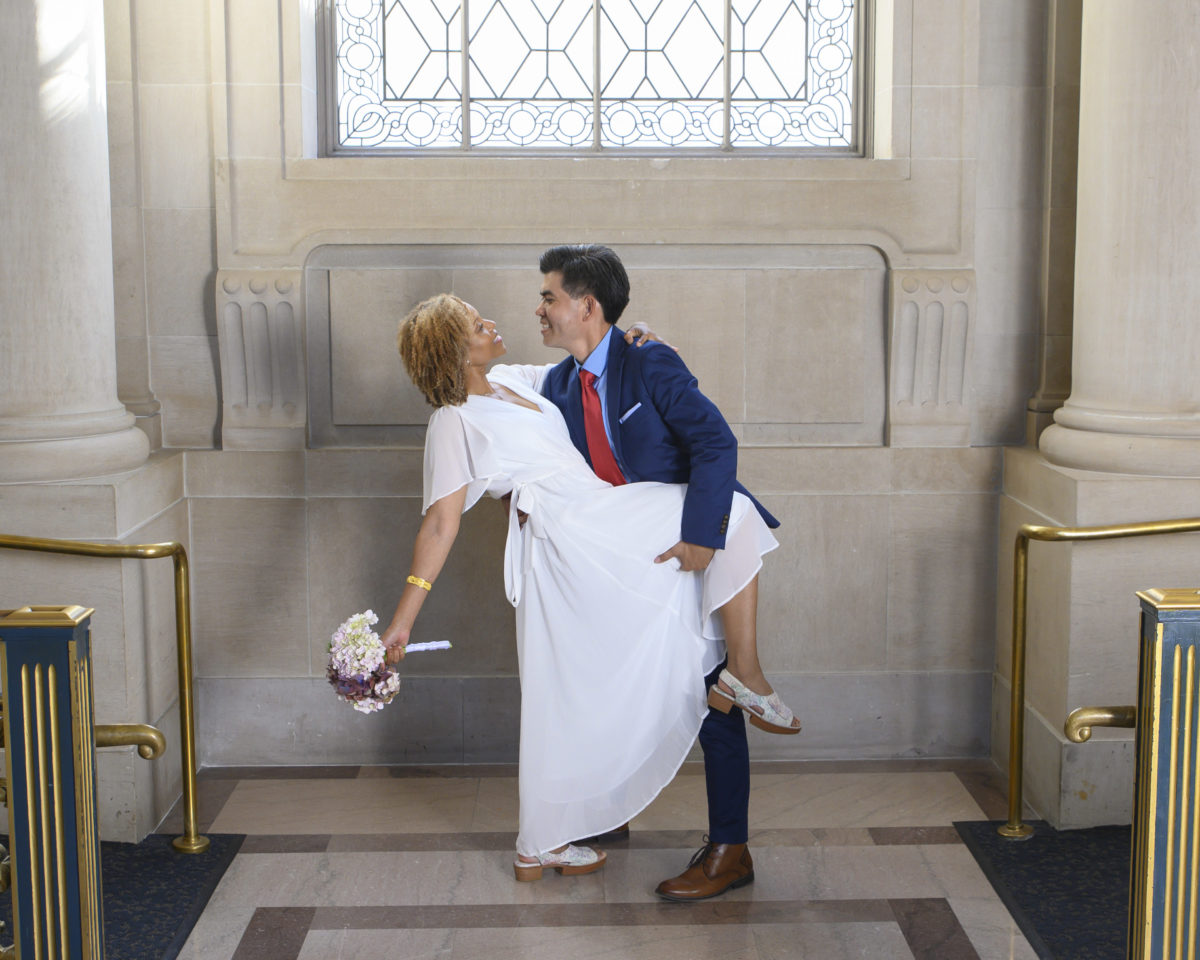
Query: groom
{"x": 637, "y": 414}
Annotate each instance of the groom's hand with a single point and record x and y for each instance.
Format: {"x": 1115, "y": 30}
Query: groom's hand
{"x": 522, "y": 516}
{"x": 690, "y": 556}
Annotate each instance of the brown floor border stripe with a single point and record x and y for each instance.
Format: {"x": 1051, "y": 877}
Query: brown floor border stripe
{"x": 909, "y": 836}
{"x": 638, "y": 840}
{"x": 928, "y": 926}
{"x": 275, "y": 933}
{"x": 932, "y": 930}
{"x": 971, "y": 767}
{"x": 459, "y": 916}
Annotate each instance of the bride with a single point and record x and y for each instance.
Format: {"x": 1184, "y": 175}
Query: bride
{"x": 612, "y": 647}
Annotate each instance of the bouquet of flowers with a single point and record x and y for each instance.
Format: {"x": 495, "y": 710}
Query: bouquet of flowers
{"x": 357, "y": 670}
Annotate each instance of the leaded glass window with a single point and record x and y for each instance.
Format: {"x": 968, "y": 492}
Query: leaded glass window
{"x": 603, "y": 75}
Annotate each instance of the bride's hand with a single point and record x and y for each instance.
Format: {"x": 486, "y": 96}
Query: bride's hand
{"x": 395, "y": 639}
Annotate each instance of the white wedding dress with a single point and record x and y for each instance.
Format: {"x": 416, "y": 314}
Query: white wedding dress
{"x": 613, "y": 648}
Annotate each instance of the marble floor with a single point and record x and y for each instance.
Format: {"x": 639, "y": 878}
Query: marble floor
{"x": 852, "y": 859}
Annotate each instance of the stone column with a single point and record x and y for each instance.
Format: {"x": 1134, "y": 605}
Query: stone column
{"x": 1058, "y": 224}
{"x": 1125, "y": 446}
{"x": 1135, "y": 396}
{"x": 59, "y": 413}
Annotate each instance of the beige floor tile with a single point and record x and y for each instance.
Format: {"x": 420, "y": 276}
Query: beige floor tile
{"x": 682, "y": 805}
{"x": 411, "y": 878}
{"x": 957, "y": 871}
{"x": 371, "y": 805}
{"x": 730, "y": 942}
{"x": 991, "y": 929}
{"x": 496, "y": 805}
{"x": 219, "y": 929}
{"x": 827, "y": 800}
{"x": 831, "y": 941}
{"x": 377, "y": 945}
{"x": 860, "y": 800}
{"x": 788, "y": 873}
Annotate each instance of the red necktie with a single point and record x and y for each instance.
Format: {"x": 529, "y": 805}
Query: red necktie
{"x": 603, "y": 461}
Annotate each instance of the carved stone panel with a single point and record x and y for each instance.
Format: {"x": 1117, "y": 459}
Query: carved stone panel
{"x": 259, "y": 327}
{"x": 930, "y": 345}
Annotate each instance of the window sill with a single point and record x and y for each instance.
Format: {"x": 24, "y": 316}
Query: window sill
{"x": 475, "y": 167}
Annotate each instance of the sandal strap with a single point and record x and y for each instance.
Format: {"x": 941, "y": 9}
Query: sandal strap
{"x": 573, "y": 856}
{"x": 770, "y": 707}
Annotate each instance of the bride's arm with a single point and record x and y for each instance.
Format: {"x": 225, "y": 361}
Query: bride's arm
{"x": 430, "y": 549}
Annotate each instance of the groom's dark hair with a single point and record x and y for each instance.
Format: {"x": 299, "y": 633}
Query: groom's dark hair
{"x": 590, "y": 268}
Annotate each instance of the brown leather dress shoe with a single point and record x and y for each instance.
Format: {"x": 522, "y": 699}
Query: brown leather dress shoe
{"x": 715, "y": 868}
{"x": 615, "y": 835}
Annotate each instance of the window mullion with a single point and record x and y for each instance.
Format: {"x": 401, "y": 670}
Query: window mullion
{"x": 466, "y": 77}
{"x": 726, "y": 141}
{"x": 595, "y": 74}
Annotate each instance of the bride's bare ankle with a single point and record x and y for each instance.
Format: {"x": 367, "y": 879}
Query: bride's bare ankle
{"x": 751, "y": 675}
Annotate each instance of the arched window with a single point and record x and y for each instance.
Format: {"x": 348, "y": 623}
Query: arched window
{"x": 582, "y": 76}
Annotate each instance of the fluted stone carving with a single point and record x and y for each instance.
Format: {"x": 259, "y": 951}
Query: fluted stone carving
{"x": 932, "y": 313}
{"x": 262, "y": 359}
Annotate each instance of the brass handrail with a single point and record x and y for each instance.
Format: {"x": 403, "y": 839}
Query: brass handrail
{"x": 1078, "y": 727}
{"x": 1014, "y": 829}
{"x": 191, "y": 841}
{"x": 149, "y": 740}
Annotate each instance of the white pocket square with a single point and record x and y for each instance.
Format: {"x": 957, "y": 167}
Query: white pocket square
{"x": 629, "y": 413}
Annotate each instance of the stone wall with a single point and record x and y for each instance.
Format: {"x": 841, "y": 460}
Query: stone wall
{"x": 871, "y": 349}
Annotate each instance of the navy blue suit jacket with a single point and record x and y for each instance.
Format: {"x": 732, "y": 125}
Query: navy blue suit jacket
{"x": 663, "y": 428}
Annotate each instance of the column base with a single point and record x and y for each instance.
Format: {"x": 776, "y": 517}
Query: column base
{"x": 1082, "y": 625}
{"x": 73, "y": 458}
{"x": 133, "y": 629}
{"x": 1124, "y": 453}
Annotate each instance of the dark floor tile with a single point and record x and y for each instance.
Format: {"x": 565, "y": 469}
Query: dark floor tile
{"x": 637, "y": 840}
{"x": 989, "y": 788}
{"x": 286, "y": 843}
{"x": 451, "y": 770}
{"x": 907, "y": 836}
{"x": 275, "y": 933}
{"x": 932, "y": 930}
{"x": 907, "y": 765}
{"x": 399, "y": 842}
{"x": 279, "y": 773}
{"x": 210, "y": 801}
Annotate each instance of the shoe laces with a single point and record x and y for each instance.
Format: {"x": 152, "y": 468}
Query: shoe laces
{"x": 702, "y": 854}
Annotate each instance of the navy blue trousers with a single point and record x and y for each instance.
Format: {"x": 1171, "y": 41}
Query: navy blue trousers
{"x": 726, "y": 772}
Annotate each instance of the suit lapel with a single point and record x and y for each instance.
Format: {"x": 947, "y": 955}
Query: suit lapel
{"x": 614, "y": 371}
{"x": 573, "y": 412}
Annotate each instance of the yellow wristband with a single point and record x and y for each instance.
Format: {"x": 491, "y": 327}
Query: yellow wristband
{"x": 418, "y": 582}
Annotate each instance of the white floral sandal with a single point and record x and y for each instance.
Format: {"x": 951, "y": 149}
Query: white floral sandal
{"x": 767, "y": 713}
{"x": 570, "y": 862}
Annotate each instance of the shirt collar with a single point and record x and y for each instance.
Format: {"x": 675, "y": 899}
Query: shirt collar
{"x": 597, "y": 360}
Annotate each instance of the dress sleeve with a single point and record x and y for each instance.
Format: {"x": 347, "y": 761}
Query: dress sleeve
{"x": 456, "y": 456}
{"x": 532, "y": 375}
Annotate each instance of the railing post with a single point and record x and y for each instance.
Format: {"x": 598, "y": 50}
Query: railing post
{"x": 50, "y": 759}
{"x": 1014, "y": 829}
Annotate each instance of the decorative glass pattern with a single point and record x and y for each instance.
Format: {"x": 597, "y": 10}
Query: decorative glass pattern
{"x": 594, "y": 74}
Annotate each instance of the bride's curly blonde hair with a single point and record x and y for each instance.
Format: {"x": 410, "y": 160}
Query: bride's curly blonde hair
{"x": 433, "y": 341}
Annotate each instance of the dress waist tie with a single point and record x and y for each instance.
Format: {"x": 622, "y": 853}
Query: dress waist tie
{"x": 518, "y": 549}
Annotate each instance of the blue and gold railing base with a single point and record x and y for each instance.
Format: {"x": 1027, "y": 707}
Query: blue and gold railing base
{"x": 50, "y": 760}
{"x": 191, "y": 841}
{"x": 1165, "y": 863}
